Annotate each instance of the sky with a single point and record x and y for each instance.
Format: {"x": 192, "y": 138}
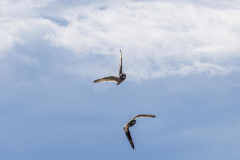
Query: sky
{"x": 181, "y": 59}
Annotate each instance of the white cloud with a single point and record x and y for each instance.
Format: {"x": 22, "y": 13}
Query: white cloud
{"x": 20, "y": 23}
{"x": 172, "y": 38}
{"x": 158, "y": 39}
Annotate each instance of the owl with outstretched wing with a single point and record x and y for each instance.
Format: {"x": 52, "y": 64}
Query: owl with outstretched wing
{"x": 120, "y": 79}
{"x": 131, "y": 123}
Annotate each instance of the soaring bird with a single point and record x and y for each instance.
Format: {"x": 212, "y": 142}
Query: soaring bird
{"x": 131, "y": 123}
{"x": 120, "y": 79}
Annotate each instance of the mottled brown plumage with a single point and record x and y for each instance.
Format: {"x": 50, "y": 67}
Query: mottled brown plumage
{"x": 120, "y": 79}
{"x": 131, "y": 123}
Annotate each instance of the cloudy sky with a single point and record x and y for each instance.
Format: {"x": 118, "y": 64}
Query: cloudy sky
{"x": 181, "y": 58}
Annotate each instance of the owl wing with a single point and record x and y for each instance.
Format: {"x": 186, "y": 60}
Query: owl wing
{"x": 107, "y": 79}
{"x": 127, "y": 132}
{"x": 120, "y": 64}
{"x": 144, "y": 116}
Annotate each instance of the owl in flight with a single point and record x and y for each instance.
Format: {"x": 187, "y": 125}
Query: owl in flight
{"x": 131, "y": 123}
{"x": 120, "y": 79}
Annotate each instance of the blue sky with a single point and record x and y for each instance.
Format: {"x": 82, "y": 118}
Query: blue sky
{"x": 182, "y": 64}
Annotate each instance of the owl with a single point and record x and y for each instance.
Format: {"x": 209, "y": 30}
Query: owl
{"x": 131, "y": 123}
{"x": 120, "y": 79}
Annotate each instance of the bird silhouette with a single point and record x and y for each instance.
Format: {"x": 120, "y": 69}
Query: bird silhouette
{"x": 131, "y": 123}
{"x": 120, "y": 79}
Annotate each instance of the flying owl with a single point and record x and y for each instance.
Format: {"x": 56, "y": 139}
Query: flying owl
{"x": 120, "y": 79}
{"x": 131, "y": 123}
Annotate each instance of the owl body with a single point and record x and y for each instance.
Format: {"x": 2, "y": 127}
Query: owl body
{"x": 131, "y": 123}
